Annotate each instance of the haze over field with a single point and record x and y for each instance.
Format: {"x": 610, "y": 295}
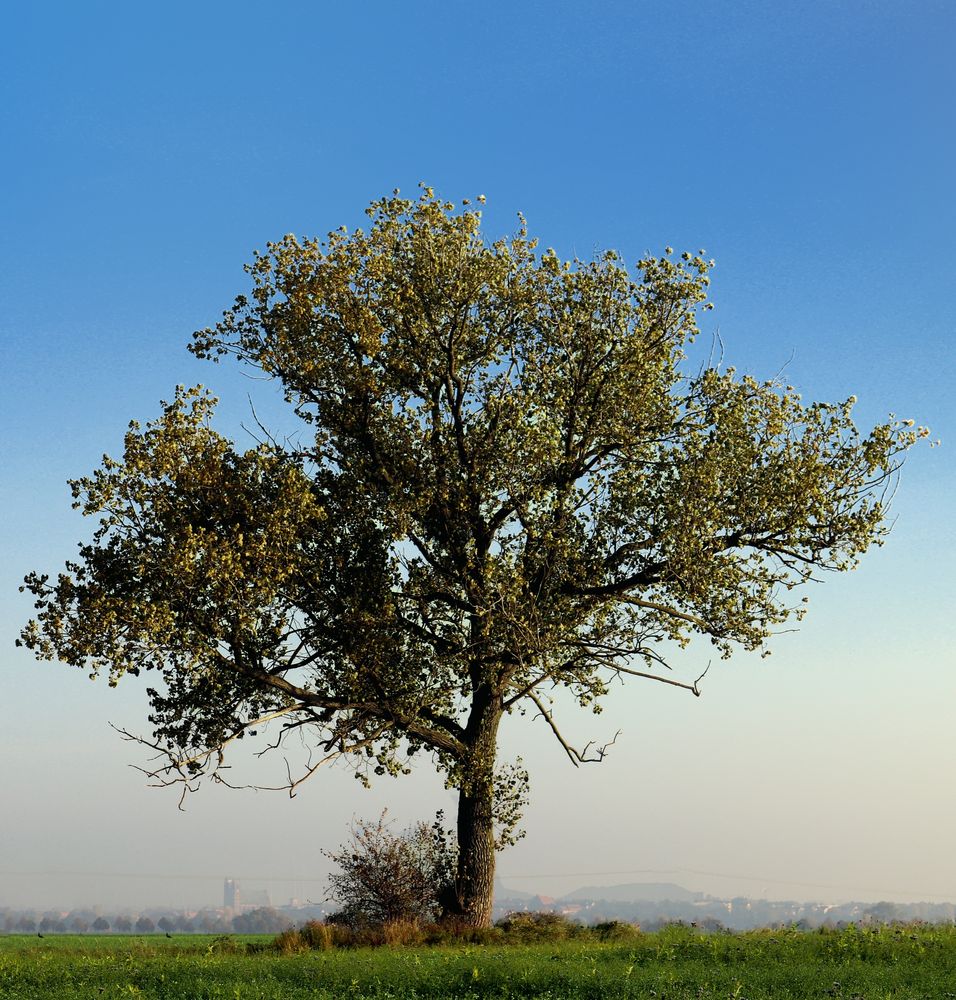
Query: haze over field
{"x": 809, "y": 151}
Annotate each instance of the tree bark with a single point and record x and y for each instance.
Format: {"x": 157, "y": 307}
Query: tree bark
{"x": 475, "y": 882}
{"x": 476, "y": 852}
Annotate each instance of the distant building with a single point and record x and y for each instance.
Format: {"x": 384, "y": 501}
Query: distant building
{"x": 253, "y": 899}
{"x": 230, "y": 894}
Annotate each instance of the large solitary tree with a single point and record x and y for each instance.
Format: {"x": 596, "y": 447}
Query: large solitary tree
{"x": 507, "y": 486}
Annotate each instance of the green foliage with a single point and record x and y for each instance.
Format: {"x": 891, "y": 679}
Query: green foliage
{"x": 615, "y": 930}
{"x": 675, "y": 964}
{"x": 528, "y": 926}
{"x": 510, "y": 485}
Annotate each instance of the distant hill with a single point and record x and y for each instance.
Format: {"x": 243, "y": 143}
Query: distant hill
{"x": 504, "y": 892}
{"x": 634, "y": 892}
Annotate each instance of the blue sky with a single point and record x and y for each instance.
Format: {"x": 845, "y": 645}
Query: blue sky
{"x": 810, "y": 148}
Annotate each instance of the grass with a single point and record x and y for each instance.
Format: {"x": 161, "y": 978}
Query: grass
{"x": 673, "y": 964}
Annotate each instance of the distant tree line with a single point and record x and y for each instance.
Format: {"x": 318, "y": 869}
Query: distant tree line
{"x": 708, "y": 915}
{"x": 740, "y": 913}
{"x": 263, "y": 920}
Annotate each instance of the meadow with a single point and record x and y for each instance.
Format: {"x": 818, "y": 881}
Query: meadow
{"x": 867, "y": 963}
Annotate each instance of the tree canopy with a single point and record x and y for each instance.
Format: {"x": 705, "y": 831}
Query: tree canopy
{"x": 510, "y": 484}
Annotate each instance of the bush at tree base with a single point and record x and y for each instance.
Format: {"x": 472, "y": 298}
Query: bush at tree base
{"x": 384, "y": 877}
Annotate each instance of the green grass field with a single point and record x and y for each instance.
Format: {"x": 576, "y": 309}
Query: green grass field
{"x": 871, "y": 963}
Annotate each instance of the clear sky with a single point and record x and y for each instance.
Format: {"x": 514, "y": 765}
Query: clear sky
{"x": 809, "y": 147}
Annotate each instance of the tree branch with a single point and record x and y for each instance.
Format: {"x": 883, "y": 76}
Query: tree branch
{"x": 577, "y": 757}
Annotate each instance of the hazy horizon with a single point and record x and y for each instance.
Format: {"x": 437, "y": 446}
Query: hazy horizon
{"x": 809, "y": 150}
{"x": 203, "y": 892}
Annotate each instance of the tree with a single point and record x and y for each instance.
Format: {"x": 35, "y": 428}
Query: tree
{"x": 262, "y": 920}
{"x": 507, "y": 485}
{"x": 383, "y": 876}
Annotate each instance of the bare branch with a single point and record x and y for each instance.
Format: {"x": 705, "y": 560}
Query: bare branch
{"x": 577, "y": 757}
{"x": 620, "y": 669}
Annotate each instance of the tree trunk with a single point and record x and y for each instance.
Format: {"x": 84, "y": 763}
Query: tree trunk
{"x": 475, "y": 882}
{"x": 476, "y": 851}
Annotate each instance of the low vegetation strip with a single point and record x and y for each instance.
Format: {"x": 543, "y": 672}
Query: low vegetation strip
{"x": 849, "y": 964}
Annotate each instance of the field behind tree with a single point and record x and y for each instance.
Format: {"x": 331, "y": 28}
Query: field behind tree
{"x": 675, "y": 963}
